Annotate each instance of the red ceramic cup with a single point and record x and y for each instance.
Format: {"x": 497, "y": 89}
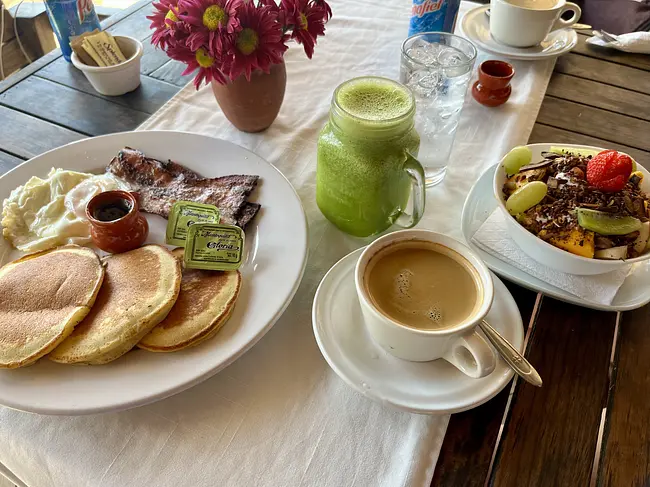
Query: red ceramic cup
{"x": 493, "y": 86}
{"x": 116, "y": 224}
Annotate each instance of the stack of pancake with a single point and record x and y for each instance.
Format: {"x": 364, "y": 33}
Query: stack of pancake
{"x": 69, "y": 305}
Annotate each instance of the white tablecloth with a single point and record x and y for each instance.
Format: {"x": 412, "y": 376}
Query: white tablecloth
{"x": 279, "y": 416}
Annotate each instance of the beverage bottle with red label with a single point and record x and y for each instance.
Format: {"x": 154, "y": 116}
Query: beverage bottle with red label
{"x": 433, "y": 16}
{"x": 69, "y": 18}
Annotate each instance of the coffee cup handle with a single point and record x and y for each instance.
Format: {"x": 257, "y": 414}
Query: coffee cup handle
{"x": 560, "y": 23}
{"x": 415, "y": 171}
{"x": 472, "y": 355}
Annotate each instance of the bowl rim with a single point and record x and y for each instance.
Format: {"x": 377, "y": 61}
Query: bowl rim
{"x": 498, "y": 194}
{"x": 117, "y": 67}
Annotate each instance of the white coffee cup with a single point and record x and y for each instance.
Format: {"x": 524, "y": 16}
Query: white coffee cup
{"x": 521, "y": 23}
{"x": 460, "y": 345}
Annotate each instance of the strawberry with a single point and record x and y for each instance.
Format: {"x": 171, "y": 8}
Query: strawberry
{"x": 609, "y": 171}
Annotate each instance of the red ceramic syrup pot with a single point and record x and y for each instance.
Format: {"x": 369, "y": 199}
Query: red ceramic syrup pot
{"x": 116, "y": 224}
{"x": 493, "y": 86}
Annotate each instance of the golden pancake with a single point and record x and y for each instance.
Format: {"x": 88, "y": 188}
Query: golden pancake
{"x": 140, "y": 287}
{"x": 204, "y": 304}
{"x": 42, "y": 297}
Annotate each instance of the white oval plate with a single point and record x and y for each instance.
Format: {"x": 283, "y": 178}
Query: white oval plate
{"x": 419, "y": 387}
{"x": 476, "y": 26}
{"x": 273, "y": 267}
{"x": 479, "y": 205}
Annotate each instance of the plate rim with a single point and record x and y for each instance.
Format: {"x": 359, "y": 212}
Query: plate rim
{"x": 149, "y": 399}
{"x": 520, "y": 57}
{"x": 401, "y": 407}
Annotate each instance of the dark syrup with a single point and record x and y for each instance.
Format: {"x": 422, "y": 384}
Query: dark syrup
{"x": 112, "y": 211}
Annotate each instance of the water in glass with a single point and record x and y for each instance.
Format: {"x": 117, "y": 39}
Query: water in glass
{"x": 437, "y": 68}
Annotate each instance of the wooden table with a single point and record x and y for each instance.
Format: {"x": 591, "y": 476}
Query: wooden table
{"x": 590, "y": 423}
{"x": 50, "y": 103}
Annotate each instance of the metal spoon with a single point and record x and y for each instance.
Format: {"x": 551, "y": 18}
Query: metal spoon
{"x": 511, "y": 355}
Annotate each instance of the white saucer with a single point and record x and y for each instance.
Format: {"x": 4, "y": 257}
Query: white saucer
{"x": 476, "y": 26}
{"x": 418, "y": 387}
{"x": 479, "y": 205}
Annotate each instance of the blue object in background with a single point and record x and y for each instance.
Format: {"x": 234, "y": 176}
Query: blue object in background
{"x": 69, "y": 18}
{"x": 433, "y": 16}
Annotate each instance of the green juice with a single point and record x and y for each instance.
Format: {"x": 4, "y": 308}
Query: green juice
{"x": 361, "y": 183}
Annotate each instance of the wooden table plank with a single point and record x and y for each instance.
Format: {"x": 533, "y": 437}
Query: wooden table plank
{"x": 149, "y": 97}
{"x": 604, "y": 72}
{"x": 52, "y": 56}
{"x": 171, "y": 72}
{"x": 69, "y": 108}
{"x": 640, "y": 61}
{"x": 595, "y": 122}
{"x": 152, "y": 57}
{"x": 550, "y": 436}
{"x": 625, "y": 460}
{"x": 471, "y": 436}
{"x": 26, "y": 136}
{"x": 8, "y": 161}
{"x": 135, "y": 25}
{"x": 600, "y": 95}
{"x": 545, "y": 133}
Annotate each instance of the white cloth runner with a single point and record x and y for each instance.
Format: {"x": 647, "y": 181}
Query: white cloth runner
{"x": 638, "y": 42}
{"x": 279, "y": 416}
{"x": 493, "y": 237}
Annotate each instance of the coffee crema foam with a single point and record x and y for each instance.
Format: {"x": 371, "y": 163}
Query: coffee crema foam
{"x": 423, "y": 285}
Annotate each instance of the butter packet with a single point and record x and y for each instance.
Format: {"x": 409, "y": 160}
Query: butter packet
{"x": 214, "y": 247}
{"x": 184, "y": 214}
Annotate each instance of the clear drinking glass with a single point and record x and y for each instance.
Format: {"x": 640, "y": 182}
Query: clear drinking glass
{"x": 437, "y": 67}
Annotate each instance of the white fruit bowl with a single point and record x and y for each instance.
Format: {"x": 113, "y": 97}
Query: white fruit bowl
{"x": 545, "y": 253}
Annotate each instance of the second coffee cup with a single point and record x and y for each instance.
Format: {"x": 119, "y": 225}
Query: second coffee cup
{"x": 526, "y": 23}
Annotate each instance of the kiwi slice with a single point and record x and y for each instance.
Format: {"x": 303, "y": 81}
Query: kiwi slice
{"x": 607, "y": 224}
{"x": 574, "y": 151}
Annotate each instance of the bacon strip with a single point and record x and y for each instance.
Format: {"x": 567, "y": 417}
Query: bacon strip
{"x": 161, "y": 183}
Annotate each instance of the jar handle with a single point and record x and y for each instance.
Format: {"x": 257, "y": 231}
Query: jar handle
{"x": 415, "y": 171}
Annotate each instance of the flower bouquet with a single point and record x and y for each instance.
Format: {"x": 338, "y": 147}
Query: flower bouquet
{"x": 238, "y": 47}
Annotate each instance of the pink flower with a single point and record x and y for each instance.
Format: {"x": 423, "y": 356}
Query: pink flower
{"x": 200, "y": 59}
{"x": 210, "y": 22}
{"x": 258, "y": 44}
{"x": 307, "y": 19}
{"x": 164, "y": 22}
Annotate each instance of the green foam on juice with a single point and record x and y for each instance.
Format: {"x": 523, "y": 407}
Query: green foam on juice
{"x": 374, "y": 99}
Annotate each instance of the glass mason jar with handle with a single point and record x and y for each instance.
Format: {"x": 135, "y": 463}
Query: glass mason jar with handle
{"x": 366, "y": 167}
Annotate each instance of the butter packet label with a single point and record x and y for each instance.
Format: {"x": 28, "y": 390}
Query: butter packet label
{"x": 185, "y": 214}
{"x": 214, "y": 247}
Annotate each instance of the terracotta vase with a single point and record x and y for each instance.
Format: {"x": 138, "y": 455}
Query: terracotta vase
{"x": 493, "y": 86}
{"x": 253, "y": 105}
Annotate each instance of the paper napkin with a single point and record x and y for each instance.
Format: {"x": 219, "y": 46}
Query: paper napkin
{"x": 493, "y": 237}
{"x": 638, "y": 42}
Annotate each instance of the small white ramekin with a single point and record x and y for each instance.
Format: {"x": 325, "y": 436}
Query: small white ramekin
{"x": 119, "y": 79}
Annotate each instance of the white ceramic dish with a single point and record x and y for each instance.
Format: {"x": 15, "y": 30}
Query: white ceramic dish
{"x": 545, "y": 253}
{"x": 119, "y": 79}
{"x": 419, "y": 387}
{"x": 272, "y": 270}
{"x": 476, "y": 27}
{"x": 479, "y": 205}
